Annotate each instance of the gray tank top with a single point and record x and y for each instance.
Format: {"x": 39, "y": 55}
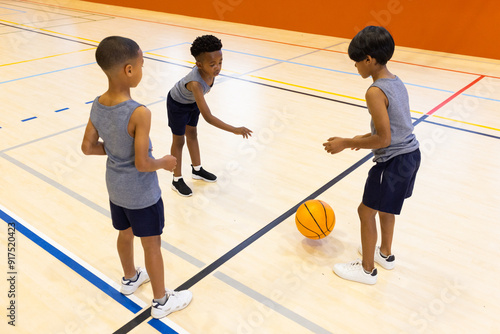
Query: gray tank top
{"x": 402, "y": 138}
{"x": 181, "y": 94}
{"x": 127, "y": 187}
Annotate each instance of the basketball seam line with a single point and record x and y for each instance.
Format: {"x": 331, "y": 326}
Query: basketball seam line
{"x": 317, "y": 224}
{"x": 307, "y": 228}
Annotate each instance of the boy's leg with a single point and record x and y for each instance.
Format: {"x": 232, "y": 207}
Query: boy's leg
{"x": 192, "y": 144}
{"x": 362, "y": 271}
{"x": 194, "y": 151}
{"x": 387, "y": 222}
{"x": 176, "y": 151}
{"x": 125, "y": 246}
{"x": 154, "y": 264}
{"x": 368, "y": 235}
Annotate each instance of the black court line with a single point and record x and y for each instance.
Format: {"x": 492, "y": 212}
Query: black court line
{"x": 145, "y": 314}
{"x": 47, "y": 34}
{"x": 267, "y": 85}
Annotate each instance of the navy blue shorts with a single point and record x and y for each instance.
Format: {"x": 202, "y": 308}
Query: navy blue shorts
{"x": 179, "y": 115}
{"x": 145, "y": 222}
{"x": 390, "y": 182}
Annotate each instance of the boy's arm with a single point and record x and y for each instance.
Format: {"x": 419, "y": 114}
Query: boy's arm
{"x": 90, "y": 143}
{"x": 377, "y": 104}
{"x": 139, "y": 127}
{"x": 197, "y": 90}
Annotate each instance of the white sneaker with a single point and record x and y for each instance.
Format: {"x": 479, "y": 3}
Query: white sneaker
{"x": 353, "y": 271}
{"x": 388, "y": 262}
{"x": 129, "y": 287}
{"x": 177, "y": 300}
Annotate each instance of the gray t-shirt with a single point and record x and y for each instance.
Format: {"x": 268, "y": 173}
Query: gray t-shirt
{"x": 402, "y": 138}
{"x": 183, "y": 95}
{"x": 127, "y": 187}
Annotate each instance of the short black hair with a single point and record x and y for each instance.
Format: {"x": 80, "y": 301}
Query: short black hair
{"x": 372, "y": 41}
{"x": 205, "y": 43}
{"x": 115, "y": 50}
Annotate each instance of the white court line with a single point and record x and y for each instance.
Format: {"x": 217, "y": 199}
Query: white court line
{"x": 139, "y": 302}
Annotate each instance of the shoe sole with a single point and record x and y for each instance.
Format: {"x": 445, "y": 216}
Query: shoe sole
{"x": 197, "y": 177}
{"x": 172, "y": 311}
{"x": 177, "y": 191}
{"x": 339, "y": 274}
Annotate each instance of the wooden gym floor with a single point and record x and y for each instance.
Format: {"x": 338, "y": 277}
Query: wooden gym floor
{"x": 234, "y": 243}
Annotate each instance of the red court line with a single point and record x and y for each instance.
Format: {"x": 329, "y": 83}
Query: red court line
{"x": 249, "y": 37}
{"x": 439, "y": 106}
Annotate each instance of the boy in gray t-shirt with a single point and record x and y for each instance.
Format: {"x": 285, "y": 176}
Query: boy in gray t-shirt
{"x": 185, "y": 102}
{"x": 134, "y": 194}
{"x": 396, "y": 151}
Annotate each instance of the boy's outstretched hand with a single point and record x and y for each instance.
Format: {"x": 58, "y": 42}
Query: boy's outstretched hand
{"x": 334, "y": 145}
{"x": 243, "y": 131}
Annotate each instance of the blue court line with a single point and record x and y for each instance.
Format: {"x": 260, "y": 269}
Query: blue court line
{"x": 228, "y": 50}
{"x": 45, "y": 73}
{"x": 59, "y": 110}
{"x": 424, "y": 120}
{"x": 73, "y": 67}
{"x": 324, "y": 188}
{"x": 82, "y": 271}
{"x": 28, "y": 119}
{"x": 416, "y": 122}
{"x": 350, "y": 73}
{"x": 290, "y": 62}
{"x": 482, "y": 97}
{"x": 249, "y": 54}
{"x": 14, "y": 10}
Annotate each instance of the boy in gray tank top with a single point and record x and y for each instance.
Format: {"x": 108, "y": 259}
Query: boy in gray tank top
{"x": 134, "y": 193}
{"x": 186, "y": 101}
{"x": 396, "y": 151}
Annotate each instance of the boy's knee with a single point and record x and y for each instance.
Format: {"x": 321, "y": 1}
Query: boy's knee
{"x": 385, "y": 214}
{"x": 366, "y": 212}
{"x": 126, "y": 234}
{"x": 178, "y": 141}
{"x": 191, "y": 132}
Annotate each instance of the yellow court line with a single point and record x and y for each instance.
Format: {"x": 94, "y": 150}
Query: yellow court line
{"x": 308, "y": 88}
{"x": 266, "y": 79}
{"x": 358, "y": 99}
{"x": 468, "y": 123}
{"x": 57, "y": 55}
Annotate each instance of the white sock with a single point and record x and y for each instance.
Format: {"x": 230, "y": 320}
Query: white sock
{"x": 162, "y": 301}
{"x": 177, "y": 178}
{"x": 197, "y": 168}
{"x": 134, "y": 278}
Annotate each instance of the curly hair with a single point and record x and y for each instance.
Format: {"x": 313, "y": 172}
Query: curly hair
{"x": 115, "y": 50}
{"x": 372, "y": 41}
{"x": 205, "y": 43}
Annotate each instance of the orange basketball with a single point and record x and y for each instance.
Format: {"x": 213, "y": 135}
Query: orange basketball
{"x": 315, "y": 219}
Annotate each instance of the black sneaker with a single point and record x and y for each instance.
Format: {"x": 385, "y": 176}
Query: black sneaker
{"x": 181, "y": 188}
{"x": 203, "y": 175}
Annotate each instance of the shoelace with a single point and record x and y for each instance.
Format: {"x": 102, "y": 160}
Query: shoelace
{"x": 355, "y": 264}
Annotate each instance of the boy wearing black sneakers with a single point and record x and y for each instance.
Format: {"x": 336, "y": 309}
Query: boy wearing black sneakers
{"x": 186, "y": 101}
{"x": 395, "y": 148}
